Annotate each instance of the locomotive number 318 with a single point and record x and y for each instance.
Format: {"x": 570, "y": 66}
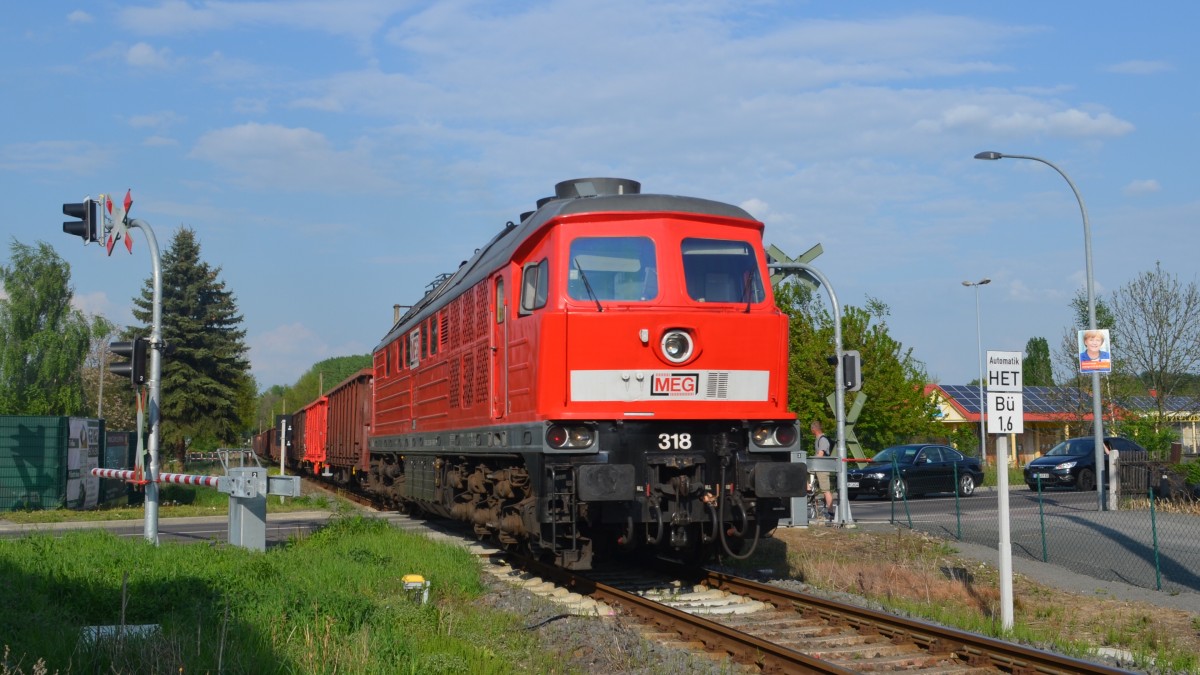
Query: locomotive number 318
{"x": 674, "y": 441}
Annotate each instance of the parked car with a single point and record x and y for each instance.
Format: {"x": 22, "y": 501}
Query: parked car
{"x": 915, "y": 469}
{"x": 1072, "y": 463}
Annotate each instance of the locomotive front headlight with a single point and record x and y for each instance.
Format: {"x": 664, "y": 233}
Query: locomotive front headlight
{"x": 769, "y": 435}
{"x": 581, "y": 437}
{"x": 762, "y": 434}
{"x": 559, "y": 436}
{"x": 677, "y": 346}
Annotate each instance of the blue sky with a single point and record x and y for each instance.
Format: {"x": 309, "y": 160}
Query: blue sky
{"x": 333, "y": 157}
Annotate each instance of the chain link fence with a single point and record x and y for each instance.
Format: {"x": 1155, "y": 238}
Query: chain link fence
{"x": 1151, "y": 540}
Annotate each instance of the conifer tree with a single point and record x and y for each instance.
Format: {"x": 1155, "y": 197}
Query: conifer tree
{"x": 205, "y": 370}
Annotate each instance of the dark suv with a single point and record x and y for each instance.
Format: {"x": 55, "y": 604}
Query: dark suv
{"x": 1072, "y": 463}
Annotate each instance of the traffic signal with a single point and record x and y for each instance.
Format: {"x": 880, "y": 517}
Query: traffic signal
{"x": 135, "y": 367}
{"x": 851, "y": 369}
{"x": 88, "y": 224}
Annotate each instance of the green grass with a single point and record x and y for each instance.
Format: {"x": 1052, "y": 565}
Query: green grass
{"x": 331, "y": 602}
{"x": 1016, "y": 476}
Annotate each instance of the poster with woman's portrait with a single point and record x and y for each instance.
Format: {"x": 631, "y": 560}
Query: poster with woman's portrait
{"x": 1094, "y": 351}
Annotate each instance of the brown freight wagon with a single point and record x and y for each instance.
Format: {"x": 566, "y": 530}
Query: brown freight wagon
{"x": 266, "y": 445}
{"x": 349, "y": 425}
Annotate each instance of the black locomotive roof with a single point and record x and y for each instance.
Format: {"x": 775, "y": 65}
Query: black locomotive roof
{"x": 501, "y": 247}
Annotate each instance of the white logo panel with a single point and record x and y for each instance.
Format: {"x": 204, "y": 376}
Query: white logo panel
{"x": 660, "y": 385}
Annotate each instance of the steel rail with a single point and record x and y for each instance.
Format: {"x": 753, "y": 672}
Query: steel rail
{"x": 767, "y": 656}
{"x": 971, "y": 647}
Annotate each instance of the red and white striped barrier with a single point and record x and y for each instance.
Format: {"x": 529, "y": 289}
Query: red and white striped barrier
{"x": 180, "y": 478}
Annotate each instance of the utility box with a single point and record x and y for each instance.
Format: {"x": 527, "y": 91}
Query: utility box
{"x": 799, "y": 505}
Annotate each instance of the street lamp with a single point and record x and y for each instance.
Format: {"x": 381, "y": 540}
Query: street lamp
{"x": 1097, "y": 408}
{"x": 979, "y": 340}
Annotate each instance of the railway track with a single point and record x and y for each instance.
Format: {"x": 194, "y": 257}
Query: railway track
{"x": 778, "y": 630}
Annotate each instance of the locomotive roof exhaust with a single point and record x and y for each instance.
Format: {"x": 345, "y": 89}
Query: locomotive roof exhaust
{"x": 588, "y": 187}
{"x": 594, "y": 187}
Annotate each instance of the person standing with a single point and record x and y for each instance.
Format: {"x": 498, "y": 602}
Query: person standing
{"x": 823, "y": 448}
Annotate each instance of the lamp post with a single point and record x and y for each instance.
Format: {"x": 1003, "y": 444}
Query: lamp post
{"x": 1097, "y": 408}
{"x": 979, "y": 344}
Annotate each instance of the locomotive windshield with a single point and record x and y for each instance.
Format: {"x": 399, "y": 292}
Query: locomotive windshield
{"x": 612, "y": 268}
{"x": 721, "y": 271}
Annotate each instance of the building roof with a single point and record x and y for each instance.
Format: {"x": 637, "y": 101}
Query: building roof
{"x": 1052, "y": 404}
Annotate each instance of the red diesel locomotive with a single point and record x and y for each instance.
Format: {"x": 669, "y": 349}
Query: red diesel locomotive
{"x": 610, "y": 373}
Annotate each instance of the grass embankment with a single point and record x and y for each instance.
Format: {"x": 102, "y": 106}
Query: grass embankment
{"x": 920, "y": 575}
{"x": 331, "y": 602}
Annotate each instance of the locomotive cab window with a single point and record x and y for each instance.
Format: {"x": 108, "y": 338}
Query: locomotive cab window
{"x": 612, "y": 268}
{"x": 535, "y": 286}
{"x": 717, "y": 270}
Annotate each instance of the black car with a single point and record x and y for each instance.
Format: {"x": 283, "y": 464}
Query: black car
{"x": 910, "y": 470}
{"x": 1072, "y": 463}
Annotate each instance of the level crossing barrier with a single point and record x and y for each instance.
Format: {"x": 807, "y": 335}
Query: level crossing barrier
{"x": 247, "y": 487}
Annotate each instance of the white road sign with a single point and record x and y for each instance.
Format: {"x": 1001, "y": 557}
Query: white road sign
{"x": 1005, "y": 398}
{"x": 1006, "y": 413}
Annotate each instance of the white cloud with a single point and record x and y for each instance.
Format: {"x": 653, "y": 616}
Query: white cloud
{"x": 156, "y": 120}
{"x": 1008, "y": 115}
{"x": 225, "y": 69}
{"x": 282, "y": 354}
{"x": 159, "y": 142}
{"x": 1141, "y": 187}
{"x": 95, "y": 303}
{"x": 1140, "y": 67}
{"x": 74, "y": 156}
{"x": 250, "y": 106}
{"x": 79, "y": 16}
{"x": 355, "y": 19}
{"x": 142, "y": 55}
{"x": 276, "y": 352}
{"x": 270, "y": 156}
{"x": 757, "y": 208}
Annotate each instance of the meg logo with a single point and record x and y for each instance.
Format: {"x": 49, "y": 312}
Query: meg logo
{"x": 675, "y": 384}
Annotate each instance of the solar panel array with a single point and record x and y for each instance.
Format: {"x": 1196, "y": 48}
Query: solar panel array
{"x": 1036, "y": 399}
{"x": 1064, "y": 400}
{"x": 965, "y": 395}
{"x": 1174, "y": 404}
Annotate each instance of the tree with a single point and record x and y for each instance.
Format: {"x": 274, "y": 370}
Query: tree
{"x": 1157, "y": 322}
{"x": 205, "y": 371}
{"x": 119, "y": 408}
{"x": 43, "y": 340}
{"x": 1038, "y": 369}
{"x": 893, "y": 380}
